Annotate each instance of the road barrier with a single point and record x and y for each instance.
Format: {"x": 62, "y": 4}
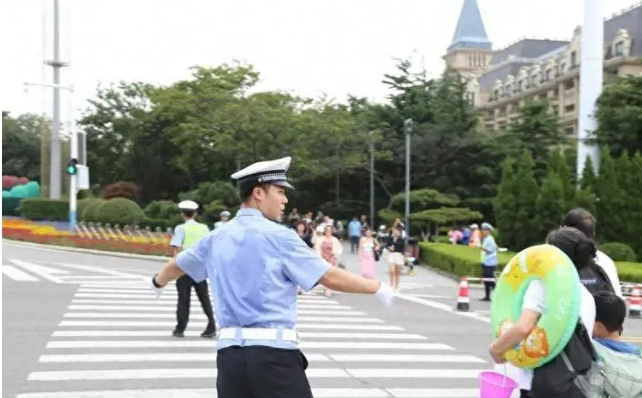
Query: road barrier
{"x": 127, "y": 233}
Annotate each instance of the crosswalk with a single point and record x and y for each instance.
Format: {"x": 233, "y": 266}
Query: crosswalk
{"x": 60, "y": 273}
{"x": 115, "y": 341}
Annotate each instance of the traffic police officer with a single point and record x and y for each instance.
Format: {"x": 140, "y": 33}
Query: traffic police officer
{"x": 255, "y": 265}
{"x": 185, "y": 236}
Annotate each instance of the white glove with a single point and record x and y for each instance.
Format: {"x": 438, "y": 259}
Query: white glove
{"x": 385, "y": 294}
{"x": 152, "y": 285}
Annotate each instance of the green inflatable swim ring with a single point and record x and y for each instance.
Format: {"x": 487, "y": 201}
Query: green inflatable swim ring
{"x": 556, "y": 326}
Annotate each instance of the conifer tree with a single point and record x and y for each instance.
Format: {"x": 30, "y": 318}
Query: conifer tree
{"x": 504, "y": 205}
{"x": 527, "y": 191}
{"x": 610, "y": 203}
{"x": 551, "y": 204}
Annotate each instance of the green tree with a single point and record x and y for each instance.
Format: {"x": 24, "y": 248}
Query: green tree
{"x": 526, "y": 218}
{"x": 619, "y": 115}
{"x": 551, "y": 203}
{"x": 611, "y": 199}
{"x": 537, "y": 130}
{"x": 21, "y": 144}
{"x": 634, "y": 194}
{"x": 559, "y": 166}
{"x": 505, "y": 204}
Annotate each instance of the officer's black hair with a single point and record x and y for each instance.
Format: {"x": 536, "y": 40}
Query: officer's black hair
{"x": 246, "y": 194}
{"x": 579, "y": 248}
{"x": 189, "y": 213}
{"x": 610, "y": 310}
{"x": 582, "y": 220}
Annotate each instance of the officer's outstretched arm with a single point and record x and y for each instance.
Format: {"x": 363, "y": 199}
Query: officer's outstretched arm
{"x": 170, "y": 272}
{"x": 343, "y": 281}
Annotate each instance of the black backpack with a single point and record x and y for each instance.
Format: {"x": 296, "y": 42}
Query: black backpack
{"x": 571, "y": 374}
{"x": 595, "y": 279}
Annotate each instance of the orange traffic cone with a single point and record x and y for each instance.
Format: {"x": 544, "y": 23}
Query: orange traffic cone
{"x": 635, "y": 303}
{"x": 463, "y": 301}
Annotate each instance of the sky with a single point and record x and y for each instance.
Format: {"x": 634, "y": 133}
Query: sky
{"x": 310, "y": 48}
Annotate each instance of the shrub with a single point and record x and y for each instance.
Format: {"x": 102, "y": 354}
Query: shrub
{"x": 618, "y": 251}
{"x": 10, "y": 206}
{"x": 457, "y": 259}
{"x": 122, "y": 189}
{"x": 44, "y": 209}
{"x": 89, "y": 212}
{"x": 464, "y": 261}
{"x": 161, "y": 209}
{"x": 119, "y": 211}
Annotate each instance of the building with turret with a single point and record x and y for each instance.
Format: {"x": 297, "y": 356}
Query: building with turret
{"x": 502, "y": 80}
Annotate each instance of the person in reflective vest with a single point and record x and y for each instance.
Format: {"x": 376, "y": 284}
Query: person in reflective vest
{"x": 185, "y": 236}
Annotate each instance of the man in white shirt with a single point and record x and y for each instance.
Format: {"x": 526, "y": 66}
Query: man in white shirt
{"x": 584, "y": 221}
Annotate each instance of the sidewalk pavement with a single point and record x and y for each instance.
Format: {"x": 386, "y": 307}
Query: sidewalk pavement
{"x": 425, "y": 283}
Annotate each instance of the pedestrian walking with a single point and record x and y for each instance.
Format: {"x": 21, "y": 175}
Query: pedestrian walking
{"x": 255, "y": 265}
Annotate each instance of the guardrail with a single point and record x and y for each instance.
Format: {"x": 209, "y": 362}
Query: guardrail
{"x": 126, "y": 233}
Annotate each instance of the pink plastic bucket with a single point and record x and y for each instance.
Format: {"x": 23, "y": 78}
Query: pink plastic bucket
{"x": 495, "y": 385}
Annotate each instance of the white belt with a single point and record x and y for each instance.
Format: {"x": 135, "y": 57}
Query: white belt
{"x": 258, "y": 334}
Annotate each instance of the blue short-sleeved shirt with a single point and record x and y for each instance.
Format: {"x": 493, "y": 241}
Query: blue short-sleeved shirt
{"x": 254, "y": 266}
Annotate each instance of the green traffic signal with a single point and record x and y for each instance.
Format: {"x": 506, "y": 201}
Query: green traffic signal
{"x": 71, "y": 166}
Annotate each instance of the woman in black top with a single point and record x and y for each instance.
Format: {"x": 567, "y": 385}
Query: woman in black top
{"x": 305, "y": 233}
{"x": 396, "y": 258}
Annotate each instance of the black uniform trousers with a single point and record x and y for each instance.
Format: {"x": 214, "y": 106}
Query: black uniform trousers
{"x": 261, "y": 372}
{"x": 184, "y": 288}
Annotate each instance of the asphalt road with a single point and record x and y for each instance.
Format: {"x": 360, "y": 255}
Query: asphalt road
{"x": 80, "y": 325}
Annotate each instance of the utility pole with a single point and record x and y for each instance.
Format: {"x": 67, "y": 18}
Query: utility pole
{"x": 371, "y": 133}
{"x": 57, "y": 64}
{"x": 592, "y": 74}
{"x": 408, "y": 126}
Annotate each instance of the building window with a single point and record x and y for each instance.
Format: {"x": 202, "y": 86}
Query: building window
{"x": 569, "y": 131}
{"x": 569, "y": 84}
{"x": 573, "y": 59}
{"x": 619, "y": 49}
{"x": 534, "y": 80}
{"x": 548, "y": 74}
{"x": 569, "y": 108}
{"x": 496, "y": 93}
{"x": 507, "y": 89}
{"x": 520, "y": 85}
{"x": 562, "y": 68}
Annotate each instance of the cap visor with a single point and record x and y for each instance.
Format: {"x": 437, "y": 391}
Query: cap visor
{"x": 283, "y": 184}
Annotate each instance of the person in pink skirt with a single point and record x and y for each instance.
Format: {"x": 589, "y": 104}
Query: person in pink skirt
{"x": 329, "y": 248}
{"x": 367, "y": 246}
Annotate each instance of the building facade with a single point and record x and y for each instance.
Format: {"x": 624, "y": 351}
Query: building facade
{"x": 500, "y": 81}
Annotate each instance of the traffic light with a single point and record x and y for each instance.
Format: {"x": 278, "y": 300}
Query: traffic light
{"x": 71, "y": 166}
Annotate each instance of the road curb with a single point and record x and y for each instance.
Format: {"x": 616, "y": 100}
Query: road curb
{"x": 148, "y": 257}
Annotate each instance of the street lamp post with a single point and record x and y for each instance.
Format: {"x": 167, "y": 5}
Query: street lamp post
{"x": 592, "y": 73}
{"x": 408, "y": 127}
{"x": 73, "y": 178}
{"x": 371, "y": 133}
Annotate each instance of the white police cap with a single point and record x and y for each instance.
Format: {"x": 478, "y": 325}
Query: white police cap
{"x": 188, "y": 205}
{"x": 265, "y": 172}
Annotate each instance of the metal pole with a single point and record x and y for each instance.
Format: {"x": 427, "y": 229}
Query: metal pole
{"x": 591, "y": 71}
{"x": 371, "y": 178}
{"x": 338, "y": 179}
{"x": 73, "y": 179}
{"x": 408, "y": 128}
{"x": 55, "y": 165}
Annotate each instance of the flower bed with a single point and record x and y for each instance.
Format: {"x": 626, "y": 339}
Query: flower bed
{"x": 120, "y": 242}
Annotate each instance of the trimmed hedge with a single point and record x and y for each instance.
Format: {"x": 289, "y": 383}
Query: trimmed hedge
{"x": 37, "y": 209}
{"x": 619, "y": 251}
{"x": 120, "y": 211}
{"x": 461, "y": 260}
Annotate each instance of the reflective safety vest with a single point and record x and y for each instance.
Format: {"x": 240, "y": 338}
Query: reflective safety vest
{"x": 194, "y": 231}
